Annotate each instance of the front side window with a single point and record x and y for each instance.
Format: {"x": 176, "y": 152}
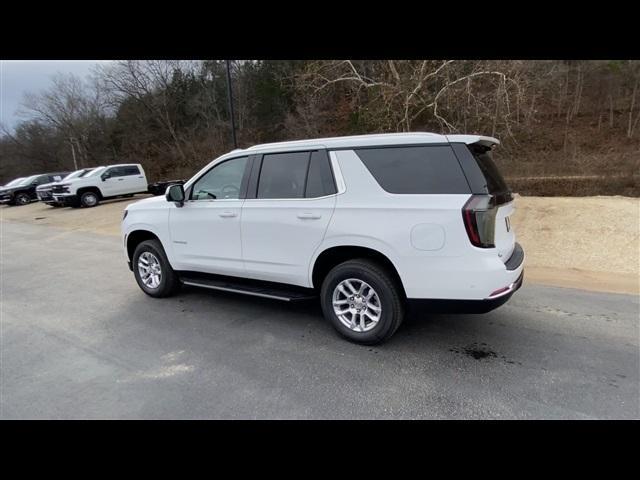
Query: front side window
{"x": 432, "y": 169}
{"x": 224, "y": 181}
{"x": 283, "y": 175}
{"x": 114, "y": 172}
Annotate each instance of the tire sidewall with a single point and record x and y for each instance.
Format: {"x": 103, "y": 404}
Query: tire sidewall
{"x": 167, "y": 274}
{"x": 22, "y": 195}
{"x": 386, "y": 322}
{"x": 84, "y": 195}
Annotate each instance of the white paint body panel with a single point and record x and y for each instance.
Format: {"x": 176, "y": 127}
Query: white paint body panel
{"x": 422, "y": 235}
{"x": 205, "y": 236}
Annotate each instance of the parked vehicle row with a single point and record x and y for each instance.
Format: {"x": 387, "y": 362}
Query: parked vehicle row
{"x": 368, "y": 224}
{"x": 22, "y": 191}
{"x": 86, "y": 187}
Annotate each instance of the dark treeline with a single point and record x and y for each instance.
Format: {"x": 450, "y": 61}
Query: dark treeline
{"x": 553, "y": 117}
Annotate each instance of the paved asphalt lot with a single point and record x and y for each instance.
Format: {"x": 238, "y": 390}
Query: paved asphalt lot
{"x": 80, "y": 340}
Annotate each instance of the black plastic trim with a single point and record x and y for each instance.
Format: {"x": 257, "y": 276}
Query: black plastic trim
{"x": 462, "y": 306}
{"x": 516, "y": 258}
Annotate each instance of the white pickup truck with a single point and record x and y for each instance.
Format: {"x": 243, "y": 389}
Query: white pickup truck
{"x": 102, "y": 183}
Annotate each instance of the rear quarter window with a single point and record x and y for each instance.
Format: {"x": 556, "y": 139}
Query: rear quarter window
{"x": 431, "y": 169}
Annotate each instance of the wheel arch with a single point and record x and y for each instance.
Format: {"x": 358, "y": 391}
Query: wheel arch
{"x": 92, "y": 188}
{"x": 334, "y": 255}
{"x": 136, "y": 237}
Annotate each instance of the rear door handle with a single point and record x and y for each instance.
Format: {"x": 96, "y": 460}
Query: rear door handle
{"x": 309, "y": 216}
{"x": 120, "y": 179}
{"x": 228, "y": 214}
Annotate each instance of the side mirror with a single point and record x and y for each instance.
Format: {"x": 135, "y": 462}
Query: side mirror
{"x": 175, "y": 193}
{"x": 104, "y": 176}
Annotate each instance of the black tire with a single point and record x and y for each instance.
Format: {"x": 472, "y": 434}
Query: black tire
{"x": 22, "y": 199}
{"x": 89, "y": 199}
{"x": 169, "y": 282}
{"x": 387, "y": 288}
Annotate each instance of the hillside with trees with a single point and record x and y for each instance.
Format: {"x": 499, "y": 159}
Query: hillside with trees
{"x": 566, "y": 127}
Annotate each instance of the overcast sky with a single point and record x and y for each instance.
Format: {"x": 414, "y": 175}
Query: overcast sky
{"x": 19, "y": 76}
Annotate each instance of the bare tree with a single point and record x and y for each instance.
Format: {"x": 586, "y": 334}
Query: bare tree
{"x": 405, "y": 90}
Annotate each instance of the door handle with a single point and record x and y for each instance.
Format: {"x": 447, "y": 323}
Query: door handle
{"x": 120, "y": 179}
{"x": 309, "y": 216}
{"x": 228, "y": 214}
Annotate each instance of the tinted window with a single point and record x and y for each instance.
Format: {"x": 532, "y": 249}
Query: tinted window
{"x": 320, "y": 179}
{"x": 421, "y": 170}
{"x": 493, "y": 177}
{"x": 114, "y": 172}
{"x": 283, "y": 175}
{"x": 130, "y": 170}
{"x": 222, "y": 181}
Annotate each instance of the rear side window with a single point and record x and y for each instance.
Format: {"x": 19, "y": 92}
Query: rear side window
{"x": 130, "y": 170}
{"x": 493, "y": 177}
{"x": 431, "y": 169}
{"x": 320, "y": 179}
{"x": 283, "y": 175}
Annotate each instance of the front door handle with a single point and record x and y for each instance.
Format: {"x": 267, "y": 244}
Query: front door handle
{"x": 228, "y": 214}
{"x": 309, "y": 216}
{"x": 120, "y": 179}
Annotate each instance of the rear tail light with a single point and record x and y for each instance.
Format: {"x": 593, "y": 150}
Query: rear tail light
{"x": 479, "y": 216}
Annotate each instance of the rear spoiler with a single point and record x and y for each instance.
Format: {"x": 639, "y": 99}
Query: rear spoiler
{"x": 470, "y": 139}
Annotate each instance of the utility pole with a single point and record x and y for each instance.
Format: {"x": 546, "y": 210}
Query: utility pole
{"x": 233, "y": 122}
{"x": 73, "y": 152}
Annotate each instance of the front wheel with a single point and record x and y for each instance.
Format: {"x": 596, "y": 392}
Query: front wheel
{"x": 89, "y": 199}
{"x": 22, "y": 199}
{"x": 362, "y": 301}
{"x": 152, "y": 270}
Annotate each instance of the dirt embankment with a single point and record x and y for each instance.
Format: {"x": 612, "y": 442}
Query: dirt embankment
{"x": 592, "y": 243}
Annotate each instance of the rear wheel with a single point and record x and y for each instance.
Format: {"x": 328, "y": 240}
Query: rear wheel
{"x": 22, "y": 199}
{"x": 89, "y": 199}
{"x": 362, "y": 301}
{"x": 152, "y": 270}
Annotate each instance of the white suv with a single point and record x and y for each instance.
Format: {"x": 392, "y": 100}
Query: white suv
{"x": 101, "y": 183}
{"x": 367, "y": 223}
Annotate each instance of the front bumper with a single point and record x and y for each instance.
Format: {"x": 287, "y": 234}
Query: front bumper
{"x": 6, "y": 198}
{"x": 66, "y": 200}
{"x": 45, "y": 196}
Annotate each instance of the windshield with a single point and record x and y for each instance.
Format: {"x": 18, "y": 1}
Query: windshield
{"x": 14, "y": 182}
{"x": 27, "y": 180}
{"x": 95, "y": 172}
{"x": 77, "y": 173}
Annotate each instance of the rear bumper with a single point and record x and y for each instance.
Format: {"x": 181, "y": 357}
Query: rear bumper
{"x": 465, "y": 306}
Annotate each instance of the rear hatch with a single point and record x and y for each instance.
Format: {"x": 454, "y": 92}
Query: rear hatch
{"x": 490, "y": 209}
{"x": 504, "y": 236}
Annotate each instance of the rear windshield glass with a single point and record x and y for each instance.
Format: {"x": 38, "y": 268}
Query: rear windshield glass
{"x": 493, "y": 177}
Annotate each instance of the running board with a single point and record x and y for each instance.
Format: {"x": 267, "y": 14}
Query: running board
{"x": 275, "y": 291}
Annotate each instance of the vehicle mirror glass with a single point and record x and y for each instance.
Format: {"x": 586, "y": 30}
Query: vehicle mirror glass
{"x": 175, "y": 193}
